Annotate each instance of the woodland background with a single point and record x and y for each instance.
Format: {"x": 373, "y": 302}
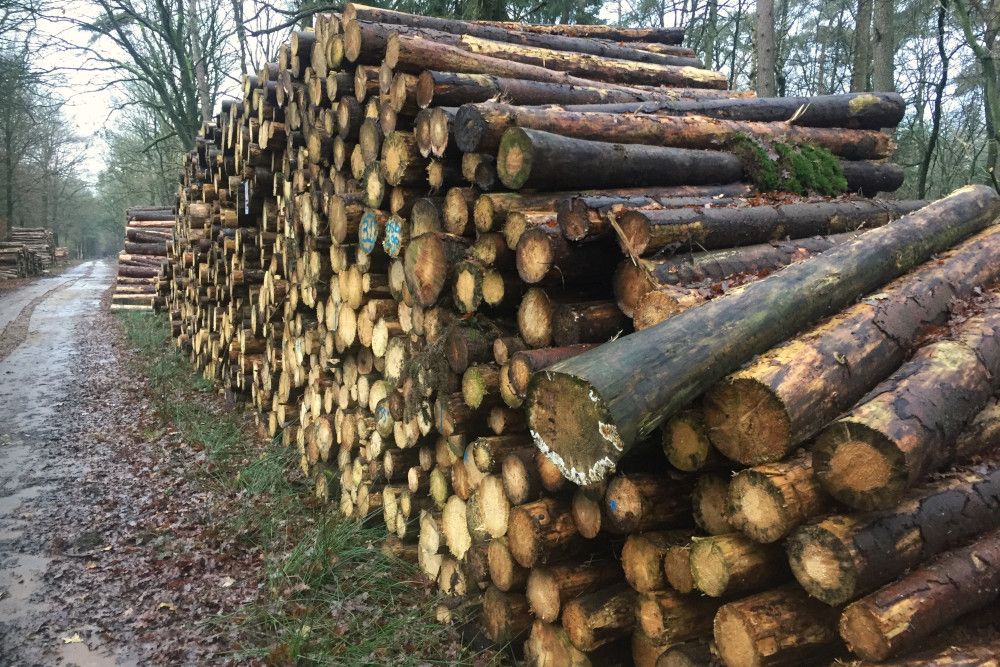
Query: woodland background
{"x": 167, "y": 63}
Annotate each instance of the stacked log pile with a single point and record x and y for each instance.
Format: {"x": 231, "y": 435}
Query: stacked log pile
{"x": 18, "y": 261}
{"x": 148, "y": 230}
{"x": 39, "y": 240}
{"x": 467, "y": 308}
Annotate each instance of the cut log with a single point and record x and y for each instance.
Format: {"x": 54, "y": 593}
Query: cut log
{"x": 587, "y": 411}
{"x": 549, "y": 645}
{"x": 598, "y": 618}
{"x": 842, "y": 556}
{"x": 906, "y": 427}
{"x": 505, "y": 615}
{"x": 852, "y": 110}
{"x": 770, "y": 500}
{"x": 669, "y": 617}
{"x": 642, "y": 557}
{"x": 535, "y": 159}
{"x": 649, "y": 501}
{"x": 733, "y": 564}
{"x": 778, "y": 628}
{"x": 710, "y": 504}
{"x": 723, "y": 226}
{"x": 687, "y": 654}
{"x": 760, "y": 413}
{"x": 550, "y": 587}
{"x": 540, "y": 530}
{"x": 479, "y": 128}
{"x": 898, "y": 617}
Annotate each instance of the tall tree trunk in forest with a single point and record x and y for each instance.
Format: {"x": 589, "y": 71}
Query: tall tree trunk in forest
{"x": 925, "y": 163}
{"x": 8, "y": 178}
{"x": 991, "y": 85}
{"x": 711, "y": 32}
{"x": 883, "y": 46}
{"x": 736, "y": 42}
{"x": 862, "y": 47}
{"x": 200, "y": 76}
{"x": 764, "y": 48}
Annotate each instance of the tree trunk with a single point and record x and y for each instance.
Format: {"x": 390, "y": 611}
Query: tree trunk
{"x": 610, "y": 32}
{"x": 642, "y": 557}
{"x": 761, "y": 413}
{"x": 670, "y": 617}
{"x": 549, "y": 587}
{"x": 783, "y": 627}
{"x": 764, "y": 49}
{"x": 640, "y": 502}
{"x": 479, "y": 128}
{"x": 936, "y": 112}
{"x": 587, "y": 411}
{"x": 845, "y": 556}
{"x": 712, "y": 227}
{"x": 534, "y": 159}
{"x": 884, "y": 46}
{"x": 906, "y": 427}
{"x": 862, "y": 47}
{"x": 598, "y": 618}
{"x": 898, "y": 617}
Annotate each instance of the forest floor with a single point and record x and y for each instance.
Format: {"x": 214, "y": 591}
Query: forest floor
{"x": 144, "y": 520}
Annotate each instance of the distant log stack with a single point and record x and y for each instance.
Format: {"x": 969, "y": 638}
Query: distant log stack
{"x": 30, "y": 251}
{"x": 148, "y": 230}
{"x": 491, "y": 325}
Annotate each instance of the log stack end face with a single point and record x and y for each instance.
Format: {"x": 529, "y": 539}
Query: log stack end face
{"x": 572, "y": 427}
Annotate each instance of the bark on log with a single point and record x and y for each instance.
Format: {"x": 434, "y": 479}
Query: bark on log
{"x": 778, "y": 628}
{"x": 598, "y": 618}
{"x": 514, "y": 36}
{"x": 733, "y": 564}
{"x": 550, "y": 587}
{"x": 896, "y": 618}
{"x": 534, "y": 159}
{"x": 906, "y": 427}
{"x": 870, "y": 111}
{"x": 844, "y": 556}
{"x": 453, "y": 89}
{"x": 479, "y": 128}
{"x": 639, "y": 502}
{"x": 587, "y": 411}
{"x": 714, "y": 227}
{"x": 669, "y": 617}
{"x": 642, "y": 557}
{"x": 760, "y": 413}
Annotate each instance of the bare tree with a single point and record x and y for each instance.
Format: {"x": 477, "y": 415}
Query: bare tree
{"x": 884, "y": 46}
{"x": 862, "y": 47}
{"x": 767, "y": 86}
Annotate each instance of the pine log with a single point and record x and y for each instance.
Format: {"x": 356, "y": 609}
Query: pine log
{"x": 598, "y": 618}
{"x": 648, "y": 501}
{"x": 535, "y": 159}
{"x": 688, "y": 654}
{"x": 505, "y": 616}
{"x": 906, "y": 427}
{"x": 710, "y": 504}
{"x": 548, "y": 645}
{"x": 540, "y": 530}
{"x": 851, "y": 110}
{"x": 405, "y": 47}
{"x": 669, "y": 617}
{"x": 479, "y": 128}
{"x": 979, "y": 652}
{"x": 982, "y": 433}
{"x": 760, "y": 413}
{"x": 505, "y": 573}
{"x": 429, "y": 262}
{"x": 599, "y": 31}
{"x": 550, "y": 587}
{"x": 587, "y": 411}
{"x": 783, "y": 627}
{"x": 734, "y": 564}
{"x": 453, "y": 89}
{"x": 898, "y": 617}
{"x": 770, "y": 500}
{"x": 686, "y": 444}
{"x": 677, "y": 567}
{"x": 642, "y": 557}
{"x": 512, "y": 35}
{"x": 723, "y": 226}
{"x": 844, "y": 556}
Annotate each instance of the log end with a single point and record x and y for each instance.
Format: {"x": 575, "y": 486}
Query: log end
{"x": 574, "y": 219}
{"x": 468, "y": 127}
{"x": 425, "y": 264}
{"x": 735, "y": 640}
{"x": 543, "y": 594}
{"x": 746, "y": 422}
{"x": 859, "y": 466}
{"x": 534, "y": 256}
{"x": 515, "y": 158}
{"x": 861, "y": 631}
{"x": 709, "y": 568}
{"x": 758, "y": 509}
{"x": 822, "y": 564}
{"x": 572, "y": 426}
{"x": 523, "y": 539}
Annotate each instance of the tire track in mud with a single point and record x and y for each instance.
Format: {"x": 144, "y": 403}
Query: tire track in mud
{"x": 16, "y": 332}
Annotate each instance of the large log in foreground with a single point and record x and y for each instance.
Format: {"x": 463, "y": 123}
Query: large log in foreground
{"x": 587, "y": 411}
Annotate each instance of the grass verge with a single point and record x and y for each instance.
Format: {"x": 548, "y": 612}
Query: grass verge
{"x": 328, "y": 594}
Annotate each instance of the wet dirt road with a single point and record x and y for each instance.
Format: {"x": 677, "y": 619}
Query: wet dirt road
{"x": 40, "y": 325}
